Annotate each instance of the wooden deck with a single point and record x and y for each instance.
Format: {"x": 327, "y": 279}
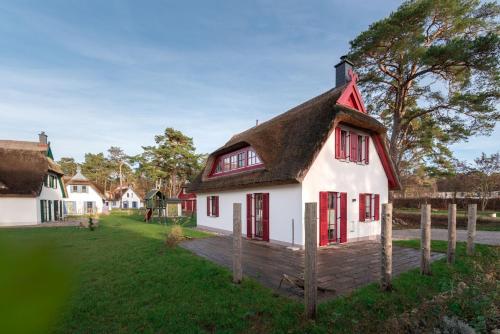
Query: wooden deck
{"x": 342, "y": 268}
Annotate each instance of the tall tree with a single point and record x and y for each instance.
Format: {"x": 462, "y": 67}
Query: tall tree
{"x": 68, "y": 165}
{"x": 171, "y": 161}
{"x": 486, "y": 171}
{"x": 118, "y": 160}
{"x": 96, "y": 168}
{"x": 430, "y": 72}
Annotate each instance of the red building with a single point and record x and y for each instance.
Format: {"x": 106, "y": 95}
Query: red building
{"x": 188, "y": 201}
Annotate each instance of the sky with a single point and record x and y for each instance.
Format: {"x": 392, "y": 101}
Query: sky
{"x": 94, "y": 74}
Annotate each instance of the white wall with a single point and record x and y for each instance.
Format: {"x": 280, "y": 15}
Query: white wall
{"x": 330, "y": 174}
{"x": 49, "y": 194}
{"x": 16, "y": 211}
{"x": 284, "y": 205}
{"x": 129, "y": 196}
{"x": 80, "y": 198}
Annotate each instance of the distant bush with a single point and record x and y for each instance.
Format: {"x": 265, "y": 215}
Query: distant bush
{"x": 174, "y": 236}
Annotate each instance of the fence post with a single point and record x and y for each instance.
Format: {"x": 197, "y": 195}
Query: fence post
{"x": 425, "y": 240}
{"x": 237, "y": 270}
{"x": 311, "y": 244}
{"x": 471, "y": 228}
{"x": 452, "y": 232}
{"x": 386, "y": 241}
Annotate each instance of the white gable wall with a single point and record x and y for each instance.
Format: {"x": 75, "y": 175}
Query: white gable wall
{"x": 81, "y": 198}
{"x": 129, "y": 196}
{"x": 330, "y": 174}
{"x": 284, "y": 205}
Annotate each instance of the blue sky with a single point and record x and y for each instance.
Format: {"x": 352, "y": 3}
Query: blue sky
{"x": 95, "y": 74}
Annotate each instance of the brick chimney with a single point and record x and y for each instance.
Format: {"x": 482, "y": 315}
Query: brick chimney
{"x": 342, "y": 70}
{"x": 42, "y": 138}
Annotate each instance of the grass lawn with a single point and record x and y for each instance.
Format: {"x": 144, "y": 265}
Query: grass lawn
{"x": 125, "y": 280}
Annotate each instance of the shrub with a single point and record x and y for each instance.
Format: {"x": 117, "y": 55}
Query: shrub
{"x": 91, "y": 224}
{"x": 174, "y": 236}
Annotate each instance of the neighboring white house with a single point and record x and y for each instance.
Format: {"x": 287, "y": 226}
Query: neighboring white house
{"x": 130, "y": 199}
{"x": 84, "y": 197}
{"x": 327, "y": 150}
{"x": 31, "y": 188}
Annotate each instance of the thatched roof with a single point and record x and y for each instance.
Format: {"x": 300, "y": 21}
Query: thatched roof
{"x": 289, "y": 143}
{"x": 23, "y": 167}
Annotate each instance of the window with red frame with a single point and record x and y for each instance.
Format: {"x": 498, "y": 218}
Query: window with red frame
{"x": 236, "y": 161}
{"x": 351, "y": 146}
{"x": 213, "y": 206}
{"x": 369, "y": 207}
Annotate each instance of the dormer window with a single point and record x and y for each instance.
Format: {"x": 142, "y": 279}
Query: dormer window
{"x": 236, "y": 161}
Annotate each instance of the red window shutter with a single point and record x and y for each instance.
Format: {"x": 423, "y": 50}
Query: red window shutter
{"x": 343, "y": 217}
{"x": 216, "y": 198}
{"x": 353, "y": 156}
{"x": 367, "y": 149}
{"x": 323, "y": 218}
{"x": 377, "y": 206}
{"x": 362, "y": 207}
{"x": 337, "y": 143}
{"x": 249, "y": 216}
{"x": 208, "y": 205}
{"x": 265, "y": 217}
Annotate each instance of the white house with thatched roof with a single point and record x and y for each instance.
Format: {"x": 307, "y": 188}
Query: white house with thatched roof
{"x": 84, "y": 197}
{"x": 327, "y": 150}
{"x": 31, "y": 187}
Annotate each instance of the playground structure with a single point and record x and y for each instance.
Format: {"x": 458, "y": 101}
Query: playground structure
{"x": 160, "y": 206}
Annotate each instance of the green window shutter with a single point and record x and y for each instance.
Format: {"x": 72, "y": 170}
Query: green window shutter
{"x": 42, "y": 210}
{"x": 50, "y": 210}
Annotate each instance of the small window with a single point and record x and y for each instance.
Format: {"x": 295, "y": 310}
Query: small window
{"x": 213, "y": 206}
{"x": 368, "y": 206}
{"x": 227, "y": 164}
{"x": 74, "y": 189}
{"x": 128, "y": 195}
{"x": 361, "y": 149}
{"x": 84, "y": 189}
{"x": 253, "y": 159}
{"x": 234, "y": 162}
{"x": 241, "y": 160}
{"x": 343, "y": 144}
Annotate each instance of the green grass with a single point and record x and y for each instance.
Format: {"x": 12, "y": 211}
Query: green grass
{"x": 126, "y": 280}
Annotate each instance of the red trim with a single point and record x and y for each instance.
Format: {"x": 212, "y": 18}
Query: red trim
{"x": 362, "y": 207}
{"x": 367, "y": 149}
{"x": 323, "y": 218}
{"x": 249, "y": 216}
{"x": 216, "y": 199}
{"x": 337, "y": 142}
{"x": 265, "y": 217}
{"x": 385, "y": 160}
{"x": 376, "y": 206}
{"x": 343, "y": 217}
{"x": 246, "y": 149}
{"x": 208, "y": 205}
{"x": 351, "y": 97}
{"x": 353, "y": 154}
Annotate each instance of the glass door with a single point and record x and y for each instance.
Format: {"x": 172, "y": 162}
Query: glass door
{"x": 332, "y": 217}
{"x": 258, "y": 216}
